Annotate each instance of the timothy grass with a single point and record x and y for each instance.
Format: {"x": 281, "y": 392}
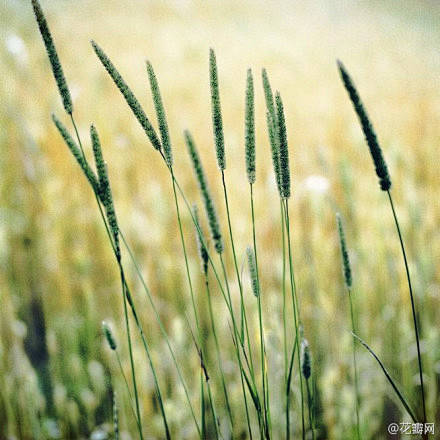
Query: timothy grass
{"x": 55, "y": 248}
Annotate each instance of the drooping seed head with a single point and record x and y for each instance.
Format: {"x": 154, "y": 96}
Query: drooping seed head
{"x": 344, "y": 253}
{"x": 161, "y": 117}
{"x": 128, "y": 95}
{"x": 57, "y": 69}
{"x": 216, "y": 112}
{"x": 206, "y": 195}
{"x": 85, "y": 167}
{"x": 201, "y": 247}
{"x": 306, "y": 359}
{"x": 109, "y": 335}
{"x": 367, "y": 127}
{"x": 283, "y": 148}
{"x": 250, "y": 128}
{"x": 253, "y": 271}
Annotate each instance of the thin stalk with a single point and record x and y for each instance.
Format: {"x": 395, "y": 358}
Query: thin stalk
{"x": 309, "y": 400}
{"x": 199, "y": 336}
{"x": 416, "y": 330}
{"x": 356, "y": 380}
{"x": 285, "y": 322}
{"x": 236, "y": 338}
{"x": 390, "y": 380}
{"x": 295, "y": 310}
{"x": 161, "y": 327}
{"x": 264, "y": 376}
{"x": 124, "y": 296}
{"x": 219, "y": 358}
{"x": 244, "y": 321}
{"x": 128, "y": 387}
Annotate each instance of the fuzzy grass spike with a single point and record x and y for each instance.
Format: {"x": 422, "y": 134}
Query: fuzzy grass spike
{"x": 54, "y": 60}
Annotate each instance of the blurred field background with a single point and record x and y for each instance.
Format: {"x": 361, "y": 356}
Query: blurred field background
{"x": 56, "y": 263}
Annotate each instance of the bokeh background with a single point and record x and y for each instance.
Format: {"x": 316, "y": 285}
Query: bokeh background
{"x": 58, "y": 280}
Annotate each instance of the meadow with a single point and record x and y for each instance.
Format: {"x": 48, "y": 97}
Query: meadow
{"x": 59, "y": 279}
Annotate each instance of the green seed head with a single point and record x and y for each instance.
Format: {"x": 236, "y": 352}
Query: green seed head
{"x": 129, "y": 97}
{"x": 268, "y": 95}
{"x": 283, "y": 148}
{"x": 108, "y": 335}
{"x": 367, "y": 127}
{"x": 344, "y": 252}
{"x": 85, "y": 167}
{"x": 206, "y": 195}
{"x": 250, "y": 128}
{"x": 161, "y": 117}
{"x": 105, "y": 192}
{"x": 253, "y": 271}
{"x": 203, "y": 252}
{"x": 57, "y": 69}
{"x": 274, "y": 149}
{"x": 306, "y": 359}
{"x": 216, "y": 112}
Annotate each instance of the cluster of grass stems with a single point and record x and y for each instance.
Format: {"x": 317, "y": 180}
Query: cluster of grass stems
{"x": 251, "y": 367}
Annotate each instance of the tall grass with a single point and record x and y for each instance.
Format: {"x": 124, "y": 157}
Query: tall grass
{"x": 220, "y": 363}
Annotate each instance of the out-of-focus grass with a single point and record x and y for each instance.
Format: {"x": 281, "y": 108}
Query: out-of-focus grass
{"x": 53, "y": 246}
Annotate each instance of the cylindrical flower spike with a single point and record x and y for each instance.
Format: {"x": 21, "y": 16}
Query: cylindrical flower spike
{"x": 206, "y": 195}
{"x": 250, "y": 128}
{"x": 57, "y": 69}
{"x": 344, "y": 253}
{"x": 161, "y": 117}
{"x": 129, "y": 97}
{"x": 216, "y": 112}
{"x": 90, "y": 175}
{"x": 203, "y": 252}
{"x": 253, "y": 271}
{"x": 367, "y": 127}
{"x": 283, "y": 148}
{"x": 109, "y": 335}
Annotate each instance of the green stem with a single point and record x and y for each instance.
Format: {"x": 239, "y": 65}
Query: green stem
{"x": 237, "y": 272}
{"x": 419, "y": 357}
{"x": 295, "y": 311}
{"x": 264, "y": 376}
{"x": 124, "y": 296}
{"x": 309, "y": 400}
{"x": 219, "y": 358}
{"x": 356, "y": 381}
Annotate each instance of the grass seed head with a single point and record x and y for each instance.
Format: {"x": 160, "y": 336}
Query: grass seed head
{"x": 216, "y": 112}
{"x": 268, "y": 95}
{"x": 250, "y": 128}
{"x": 283, "y": 148}
{"x": 367, "y": 127}
{"x": 344, "y": 253}
{"x": 203, "y": 252}
{"x": 161, "y": 117}
{"x": 109, "y": 335}
{"x": 206, "y": 195}
{"x": 253, "y": 271}
{"x": 73, "y": 147}
{"x": 129, "y": 97}
{"x": 306, "y": 366}
{"x": 57, "y": 69}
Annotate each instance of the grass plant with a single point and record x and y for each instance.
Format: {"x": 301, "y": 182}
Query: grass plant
{"x": 219, "y": 364}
